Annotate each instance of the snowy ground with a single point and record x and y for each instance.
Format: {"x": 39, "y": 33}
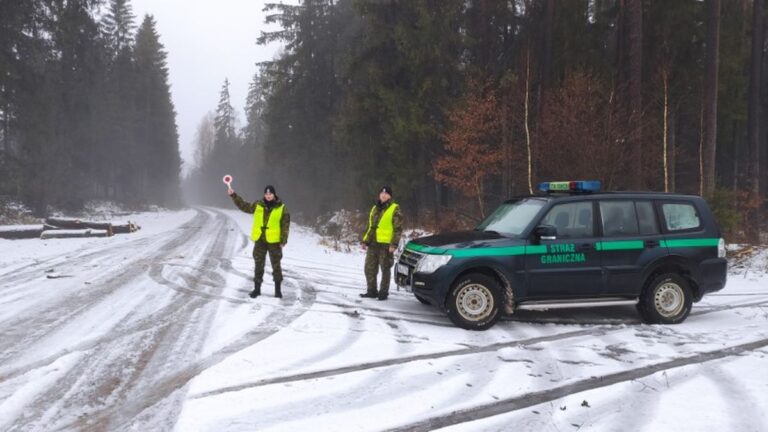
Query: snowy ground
{"x": 154, "y": 331}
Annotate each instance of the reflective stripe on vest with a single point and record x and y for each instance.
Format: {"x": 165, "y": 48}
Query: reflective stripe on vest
{"x": 273, "y": 224}
{"x": 385, "y": 231}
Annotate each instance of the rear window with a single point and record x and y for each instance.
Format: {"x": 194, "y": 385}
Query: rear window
{"x": 680, "y": 216}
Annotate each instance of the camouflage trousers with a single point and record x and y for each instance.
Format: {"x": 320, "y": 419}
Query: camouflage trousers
{"x": 260, "y": 250}
{"x": 378, "y": 255}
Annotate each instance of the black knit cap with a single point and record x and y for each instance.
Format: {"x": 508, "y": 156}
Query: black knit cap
{"x": 386, "y": 189}
{"x": 270, "y": 189}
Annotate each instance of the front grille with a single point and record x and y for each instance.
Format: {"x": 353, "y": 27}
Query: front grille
{"x": 410, "y": 258}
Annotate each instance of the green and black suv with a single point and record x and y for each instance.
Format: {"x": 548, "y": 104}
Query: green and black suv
{"x": 572, "y": 246}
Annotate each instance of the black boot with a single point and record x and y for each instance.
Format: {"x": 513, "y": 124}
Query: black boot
{"x": 370, "y": 294}
{"x": 278, "y": 293}
{"x": 256, "y": 290}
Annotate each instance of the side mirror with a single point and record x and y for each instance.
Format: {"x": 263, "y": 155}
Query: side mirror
{"x": 545, "y": 232}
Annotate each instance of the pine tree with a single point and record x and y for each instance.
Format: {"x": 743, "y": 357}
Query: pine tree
{"x": 118, "y": 25}
{"x": 300, "y": 147}
{"x": 224, "y": 122}
{"x": 157, "y": 132}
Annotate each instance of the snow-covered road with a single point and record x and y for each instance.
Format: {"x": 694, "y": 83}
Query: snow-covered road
{"x": 154, "y": 331}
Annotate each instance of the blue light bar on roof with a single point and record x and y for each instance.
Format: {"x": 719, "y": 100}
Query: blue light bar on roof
{"x": 583, "y": 186}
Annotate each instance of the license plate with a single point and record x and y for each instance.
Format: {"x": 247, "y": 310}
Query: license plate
{"x": 402, "y": 269}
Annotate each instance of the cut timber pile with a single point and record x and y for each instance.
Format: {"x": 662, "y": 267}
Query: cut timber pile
{"x": 62, "y": 223}
{"x": 88, "y": 232}
{"x": 55, "y": 228}
{"x": 15, "y": 232}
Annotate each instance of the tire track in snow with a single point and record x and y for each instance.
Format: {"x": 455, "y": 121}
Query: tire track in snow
{"x": 536, "y": 398}
{"x": 155, "y": 345}
{"x": 722, "y": 308}
{"x": 173, "y": 386}
{"x": 395, "y": 362}
{"x": 23, "y": 330}
{"x": 103, "y": 378}
{"x": 594, "y": 331}
{"x": 159, "y": 391}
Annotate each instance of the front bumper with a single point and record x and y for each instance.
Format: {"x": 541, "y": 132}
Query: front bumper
{"x": 432, "y": 286}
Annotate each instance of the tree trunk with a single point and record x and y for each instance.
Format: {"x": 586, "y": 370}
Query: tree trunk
{"x": 736, "y": 154}
{"x": 665, "y": 138}
{"x": 59, "y": 234}
{"x": 635, "y": 33}
{"x": 672, "y": 150}
{"x": 16, "y": 232}
{"x": 506, "y": 143}
{"x": 701, "y": 151}
{"x": 78, "y": 224}
{"x": 527, "y": 128}
{"x": 754, "y": 116}
{"x": 546, "y": 45}
{"x": 711, "y": 68}
{"x": 125, "y": 228}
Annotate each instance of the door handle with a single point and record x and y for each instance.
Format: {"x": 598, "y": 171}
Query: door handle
{"x": 652, "y": 243}
{"x": 584, "y": 247}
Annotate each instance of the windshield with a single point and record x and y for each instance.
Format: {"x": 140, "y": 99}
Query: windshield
{"x": 512, "y": 217}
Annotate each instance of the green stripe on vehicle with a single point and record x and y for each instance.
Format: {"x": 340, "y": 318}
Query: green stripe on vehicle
{"x": 619, "y": 245}
{"x": 477, "y": 252}
{"x": 502, "y": 251}
{"x": 536, "y": 249}
{"x": 425, "y": 249}
{"x": 704, "y": 242}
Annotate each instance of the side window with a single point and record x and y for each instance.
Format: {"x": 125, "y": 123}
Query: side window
{"x": 619, "y": 218}
{"x": 572, "y": 220}
{"x": 680, "y": 216}
{"x": 646, "y": 218}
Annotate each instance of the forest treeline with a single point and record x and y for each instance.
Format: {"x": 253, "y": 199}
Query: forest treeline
{"x": 85, "y": 106}
{"x": 459, "y": 104}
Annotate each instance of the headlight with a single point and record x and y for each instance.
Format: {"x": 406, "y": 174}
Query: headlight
{"x": 721, "y": 249}
{"x": 430, "y": 263}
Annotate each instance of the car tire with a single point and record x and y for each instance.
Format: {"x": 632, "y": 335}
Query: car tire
{"x": 422, "y": 300}
{"x": 474, "y": 302}
{"x": 666, "y": 299}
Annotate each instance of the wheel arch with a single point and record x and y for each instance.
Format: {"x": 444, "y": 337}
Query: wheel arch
{"x": 676, "y": 265}
{"x": 497, "y": 275}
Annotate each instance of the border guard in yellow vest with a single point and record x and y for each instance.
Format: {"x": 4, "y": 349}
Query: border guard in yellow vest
{"x": 271, "y": 222}
{"x": 385, "y": 226}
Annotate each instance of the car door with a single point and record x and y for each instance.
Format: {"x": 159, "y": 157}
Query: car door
{"x": 631, "y": 240}
{"x": 569, "y": 264}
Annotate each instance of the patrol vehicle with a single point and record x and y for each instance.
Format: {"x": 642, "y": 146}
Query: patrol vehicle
{"x": 572, "y": 246}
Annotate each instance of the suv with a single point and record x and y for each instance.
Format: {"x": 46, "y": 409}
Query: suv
{"x": 570, "y": 247}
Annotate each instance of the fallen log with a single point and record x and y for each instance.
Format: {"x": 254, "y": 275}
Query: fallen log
{"x": 17, "y": 232}
{"x": 59, "y": 234}
{"x": 124, "y": 228}
{"x": 78, "y": 224}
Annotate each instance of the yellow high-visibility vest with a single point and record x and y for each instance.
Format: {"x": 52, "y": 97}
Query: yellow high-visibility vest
{"x": 386, "y": 229}
{"x": 272, "y": 229}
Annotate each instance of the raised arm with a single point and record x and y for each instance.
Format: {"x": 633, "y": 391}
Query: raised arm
{"x": 243, "y": 204}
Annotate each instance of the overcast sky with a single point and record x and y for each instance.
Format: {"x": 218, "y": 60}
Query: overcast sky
{"x": 206, "y": 42}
